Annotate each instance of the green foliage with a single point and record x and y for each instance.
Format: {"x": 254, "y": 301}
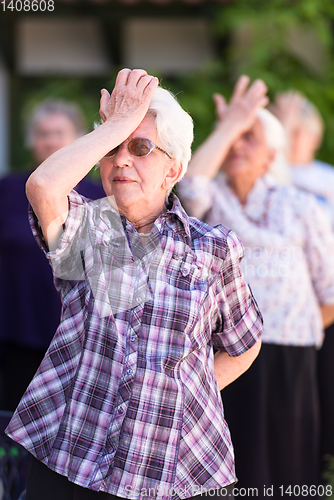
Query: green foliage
{"x": 287, "y": 43}
{"x": 31, "y": 91}
{"x": 329, "y": 474}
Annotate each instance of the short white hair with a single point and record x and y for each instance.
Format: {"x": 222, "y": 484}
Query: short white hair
{"x": 175, "y": 129}
{"x": 276, "y": 140}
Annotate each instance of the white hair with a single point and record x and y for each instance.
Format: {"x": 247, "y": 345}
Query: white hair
{"x": 276, "y": 140}
{"x": 174, "y": 126}
{"x": 311, "y": 119}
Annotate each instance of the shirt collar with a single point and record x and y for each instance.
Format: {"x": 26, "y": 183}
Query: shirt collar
{"x": 175, "y": 217}
{"x": 256, "y": 204}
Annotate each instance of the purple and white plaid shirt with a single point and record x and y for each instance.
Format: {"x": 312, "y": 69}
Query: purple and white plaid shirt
{"x": 126, "y": 400}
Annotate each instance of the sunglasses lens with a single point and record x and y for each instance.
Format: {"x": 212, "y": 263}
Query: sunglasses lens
{"x": 140, "y": 147}
{"x": 112, "y": 152}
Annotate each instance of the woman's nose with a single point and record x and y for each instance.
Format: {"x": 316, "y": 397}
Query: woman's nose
{"x": 239, "y": 144}
{"x": 123, "y": 157}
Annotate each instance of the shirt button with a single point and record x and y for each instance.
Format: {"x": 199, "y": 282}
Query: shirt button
{"x": 138, "y": 300}
{"x": 120, "y": 410}
{"x": 185, "y": 271}
{"x": 176, "y": 256}
{"x": 129, "y": 371}
{"x": 133, "y": 338}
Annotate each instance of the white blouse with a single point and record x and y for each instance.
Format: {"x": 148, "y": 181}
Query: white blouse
{"x": 317, "y": 178}
{"x": 289, "y": 251}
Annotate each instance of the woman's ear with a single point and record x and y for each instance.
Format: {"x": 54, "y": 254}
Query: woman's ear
{"x": 172, "y": 175}
{"x": 271, "y": 158}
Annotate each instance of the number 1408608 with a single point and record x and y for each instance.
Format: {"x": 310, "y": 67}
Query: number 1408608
{"x": 313, "y": 491}
{"x": 28, "y": 5}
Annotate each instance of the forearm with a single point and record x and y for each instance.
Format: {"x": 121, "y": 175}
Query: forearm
{"x": 228, "y": 368}
{"x": 208, "y": 158}
{"x": 49, "y": 185}
{"x": 233, "y": 121}
{"x": 62, "y": 171}
{"x": 327, "y": 313}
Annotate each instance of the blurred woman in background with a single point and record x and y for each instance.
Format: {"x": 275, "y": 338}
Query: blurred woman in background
{"x": 289, "y": 262}
{"x": 29, "y": 303}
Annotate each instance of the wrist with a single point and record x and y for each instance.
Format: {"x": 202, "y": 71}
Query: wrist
{"x": 229, "y": 131}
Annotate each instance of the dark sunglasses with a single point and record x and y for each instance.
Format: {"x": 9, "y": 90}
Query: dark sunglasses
{"x": 138, "y": 147}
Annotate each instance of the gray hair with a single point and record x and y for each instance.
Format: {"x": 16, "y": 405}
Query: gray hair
{"x": 311, "y": 119}
{"x": 55, "y": 107}
{"x": 174, "y": 126}
{"x": 276, "y": 140}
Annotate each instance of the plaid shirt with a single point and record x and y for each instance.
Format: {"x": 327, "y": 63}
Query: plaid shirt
{"x": 126, "y": 400}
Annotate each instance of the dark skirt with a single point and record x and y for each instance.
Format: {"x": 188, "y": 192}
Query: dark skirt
{"x": 45, "y": 484}
{"x": 326, "y": 393}
{"x": 18, "y": 365}
{"x": 273, "y": 413}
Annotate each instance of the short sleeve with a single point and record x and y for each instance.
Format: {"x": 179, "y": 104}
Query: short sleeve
{"x": 65, "y": 260}
{"x": 241, "y": 320}
{"x": 196, "y": 195}
{"x": 319, "y": 249}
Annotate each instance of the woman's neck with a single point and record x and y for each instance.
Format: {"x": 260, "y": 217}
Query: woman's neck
{"x": 143, "y": 220}
{"x": 241, "y": 187}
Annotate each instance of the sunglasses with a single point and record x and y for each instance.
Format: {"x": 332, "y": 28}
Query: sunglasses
{"x": 138, "y": 147}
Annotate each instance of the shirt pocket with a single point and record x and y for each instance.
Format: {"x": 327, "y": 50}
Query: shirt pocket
{"x": 188, "y": 274}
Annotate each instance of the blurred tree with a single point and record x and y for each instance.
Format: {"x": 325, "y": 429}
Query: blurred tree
{"x": 31, "y": 91}
{"x": 287, "y": 43}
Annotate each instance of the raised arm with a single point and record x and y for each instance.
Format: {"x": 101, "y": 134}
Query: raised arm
{"x": 233, "y": 120}
{"x": 121, "y": 112}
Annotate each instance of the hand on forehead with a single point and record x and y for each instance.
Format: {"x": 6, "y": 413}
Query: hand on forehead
{"x": 130, "y": 97}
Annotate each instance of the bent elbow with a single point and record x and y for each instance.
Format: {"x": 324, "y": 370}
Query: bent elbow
{"x": 37, "y": 190}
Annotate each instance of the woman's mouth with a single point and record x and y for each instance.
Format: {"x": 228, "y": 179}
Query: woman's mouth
{"x": 123, "y": 180}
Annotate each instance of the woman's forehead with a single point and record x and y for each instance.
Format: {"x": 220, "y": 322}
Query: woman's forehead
{"x": 258, "y": 127}
{"x": 146, "y": 129}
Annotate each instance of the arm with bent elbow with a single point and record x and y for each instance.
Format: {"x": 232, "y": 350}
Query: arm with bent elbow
{"x": 327, "y": 313}
{"x": 121, "y": 112}
{"x": 233, "y": 120}
{"x": 229, "y": 368}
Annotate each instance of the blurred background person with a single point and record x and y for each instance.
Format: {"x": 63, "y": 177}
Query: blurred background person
{"x": 304, "y": 129}
{"x": 29, "y": 303}
{"x": 289, "y": 262}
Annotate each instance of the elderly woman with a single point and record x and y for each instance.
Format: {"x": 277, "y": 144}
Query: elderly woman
{"x": 289, "y": 246}
{"x": 304, "y": 128}
{"x": 126, "y": 402}
{"x": 29, "y": 303}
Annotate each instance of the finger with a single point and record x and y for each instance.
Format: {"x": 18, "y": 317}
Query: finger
{"x": 220, "y": 104}
{"x": 257, "y": 90}
{"x": 263, "y": 102}
{"x": 144, "y": 81}
{"x": 135, "y": 75}
{"x": 150, "y": 87}
{"x": 105, "y": 96}
{"x": 122, "y": 77}
{"x": 240, "y": 87}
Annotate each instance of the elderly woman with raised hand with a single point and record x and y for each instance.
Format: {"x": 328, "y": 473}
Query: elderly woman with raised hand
{"x": 289, "y": 246}
{"x": 304, "y": 128}
{"x": 126, "y": 402}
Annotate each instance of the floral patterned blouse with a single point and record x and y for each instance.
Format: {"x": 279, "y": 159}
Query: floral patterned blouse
{"x": 289, "y": 251}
